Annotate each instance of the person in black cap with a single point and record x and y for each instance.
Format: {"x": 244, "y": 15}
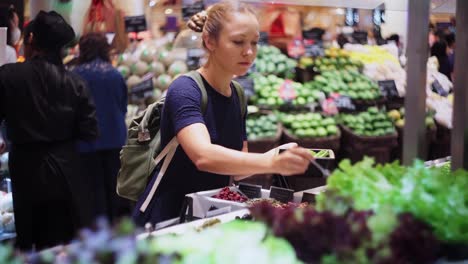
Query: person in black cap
{"x": 47, "y": 109}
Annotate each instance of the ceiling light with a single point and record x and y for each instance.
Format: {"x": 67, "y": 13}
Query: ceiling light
{"x": 152, "y": 3}
{"x": 340, "y": 11}
{"x": 168, "y": 11}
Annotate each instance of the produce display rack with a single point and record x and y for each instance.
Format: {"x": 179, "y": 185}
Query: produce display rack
{"x": 431, "y": 139}
{"x": 356, "y": 147}
{"x": 330, "y": 142}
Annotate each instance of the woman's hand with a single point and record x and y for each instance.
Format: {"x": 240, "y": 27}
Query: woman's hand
{"x": 295, "y": 160}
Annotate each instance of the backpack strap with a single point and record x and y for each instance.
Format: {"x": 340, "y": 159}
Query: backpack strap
{"x": 241, "y": 95}
{"x": 198, "y": 79}
{"x": 169, "y": 150}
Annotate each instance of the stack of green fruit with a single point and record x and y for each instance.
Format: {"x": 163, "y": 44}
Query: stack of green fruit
{"x": 270, "y": 60}
{"x": 334, "y": 59}
{"x": 267, "y": 92}
{"x": 346, "y": 82}
{"x": 261, "y": 127}
{"x": 398, "y": 118}
{"x": 373, "y": 122}
{"x": 309, "y": 125}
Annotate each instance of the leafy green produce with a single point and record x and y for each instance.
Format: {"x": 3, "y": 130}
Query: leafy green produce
{"x": 373, "y": 122}
{"x": 350, "y": 236}
{"x": 430, "y": 194}
{"x": 233, "y": 242}
{"x": 309, "y": 125}
{"x": 261, "y": 126}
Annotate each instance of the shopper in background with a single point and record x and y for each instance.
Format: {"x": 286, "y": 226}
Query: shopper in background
{"x": 100, "y": 158}
{"x": 46, "y": 110}
{"x": 450, "y": 38}
{"x": 9, "y": 19}
{"x": 213, "y": 144}
{"x": 439, "y": 50}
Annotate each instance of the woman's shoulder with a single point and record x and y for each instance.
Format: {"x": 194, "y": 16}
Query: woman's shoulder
{"x": 183, "y": 85}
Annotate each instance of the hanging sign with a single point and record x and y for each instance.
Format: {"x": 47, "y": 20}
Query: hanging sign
{"x": 135, "y": 24}
{"x": 190, "y": 8}
{"x": 388, "y": 88}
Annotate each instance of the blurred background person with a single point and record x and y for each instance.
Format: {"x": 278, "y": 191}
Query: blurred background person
{"x": 100, "y": 158}
{"x": 439, "y": 50}
{"x": 46, "y": 109}
{"x": 450, "y": 38}
{"x": 9, "y": 19}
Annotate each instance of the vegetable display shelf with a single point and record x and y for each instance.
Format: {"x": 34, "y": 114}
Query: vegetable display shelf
{"x": 362, "y": 105}
{"x": 202, "y": 205}
{"x": 330, "y": 142}
{"x": 304, "y": 75}
{"x": 440, "y": 147}
{"x": 395, "y": 103}
{"x": 397, "y": 153}
{"x": 355, "y": 147}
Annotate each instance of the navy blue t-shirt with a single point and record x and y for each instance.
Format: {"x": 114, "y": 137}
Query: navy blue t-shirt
{"x": 182, "y": 108}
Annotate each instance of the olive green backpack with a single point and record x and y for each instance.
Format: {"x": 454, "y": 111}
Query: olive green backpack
{"x": 142, "y": 152}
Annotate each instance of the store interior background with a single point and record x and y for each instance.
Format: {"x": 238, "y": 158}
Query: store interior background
{"x": 298, "y": 15}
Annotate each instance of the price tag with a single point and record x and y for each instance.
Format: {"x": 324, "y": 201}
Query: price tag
{"x": 388, "y": 88}
{"x": 343, "y": 102}
{"x": 263, "y": 39}
{"x": 252, "y": 191}
{"x": 142, "y": 90}
{"x": 135, "y": 24}
{"x": 190, "y": 8}
{"x": 313, "y": 50}
{"x": 295, "y": 48}
{"x": 329, "y": 106}
{"x": 281, "y": 194}
{"x": 437, "y": 88}
{"x": 308, "y": 198}
{"x": 287, "y": 91}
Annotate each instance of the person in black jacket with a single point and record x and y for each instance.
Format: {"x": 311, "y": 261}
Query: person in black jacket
{"x": 46, "y": 109}
{"x": 439, "y": 50}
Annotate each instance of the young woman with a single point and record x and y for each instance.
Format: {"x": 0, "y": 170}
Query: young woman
{"x": 213, "y": 144}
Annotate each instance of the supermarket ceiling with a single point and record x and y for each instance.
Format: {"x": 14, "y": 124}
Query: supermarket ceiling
{"x": 437, "y": 6}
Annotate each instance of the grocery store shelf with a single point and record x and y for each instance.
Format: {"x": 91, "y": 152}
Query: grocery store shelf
{"x": 183, "y": 228}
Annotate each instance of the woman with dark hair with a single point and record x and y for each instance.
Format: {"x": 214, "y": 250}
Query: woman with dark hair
{"x": 439, "y": 50}
{"x": 9, "y": 19}
{"x": 100, "y": 158}
{"x": 46, "y": 109}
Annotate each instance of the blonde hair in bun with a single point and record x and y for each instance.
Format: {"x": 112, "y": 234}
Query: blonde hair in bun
{"x": 211, "y": 21}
